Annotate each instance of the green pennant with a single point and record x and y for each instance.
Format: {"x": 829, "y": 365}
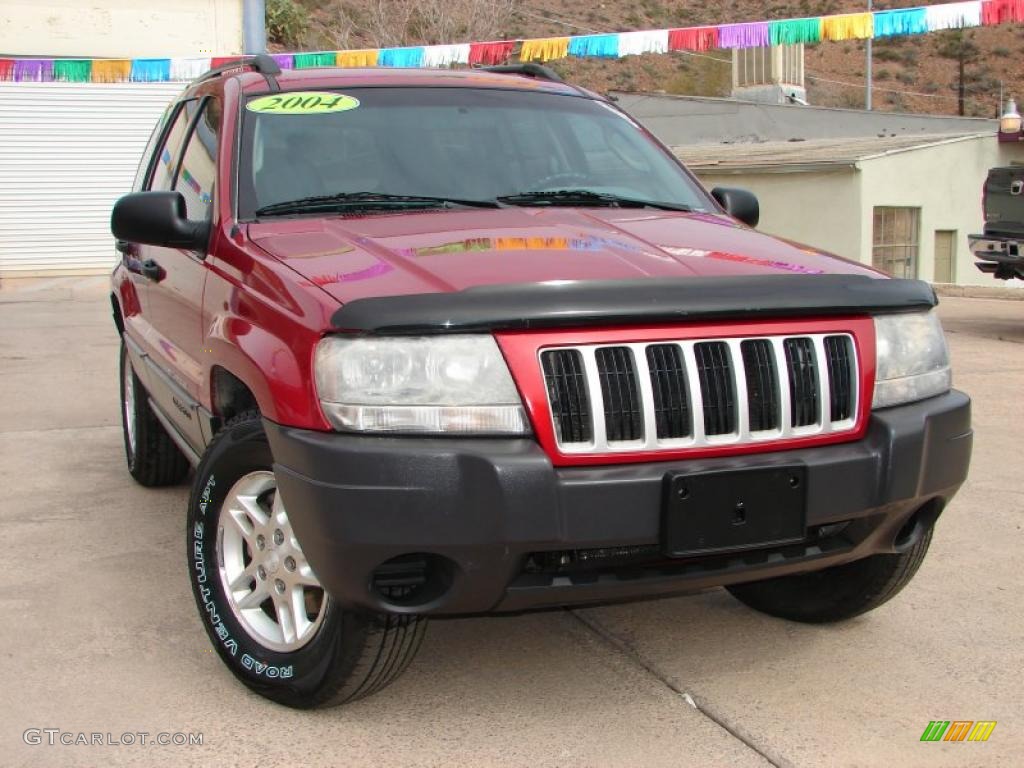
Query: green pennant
{"x": 306, "y": 60}
{"x": 72, "y": 70}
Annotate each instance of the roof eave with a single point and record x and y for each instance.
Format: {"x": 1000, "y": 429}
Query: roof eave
{"x": 825, "y": 166}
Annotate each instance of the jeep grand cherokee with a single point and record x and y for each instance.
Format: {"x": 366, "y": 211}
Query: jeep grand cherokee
{"x": 470, "y": 342}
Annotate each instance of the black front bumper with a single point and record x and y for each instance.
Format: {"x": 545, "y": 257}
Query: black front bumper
{"x": 497, "y": 528}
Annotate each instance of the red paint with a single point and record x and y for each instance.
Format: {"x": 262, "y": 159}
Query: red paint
{"x": 520, "y": 349}
{"x": 421, "y": 252}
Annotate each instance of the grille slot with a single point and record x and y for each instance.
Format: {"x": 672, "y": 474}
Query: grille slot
{"x": 666, "y": 395}
{"x": 803, "y": 381}
{"x": 567, "y": 395}
{"x": 668, "y": 382}
{"x": 762, "y": 384}
{"x": 622, "y": 416}
{"x": 839, "y": 354}
{"x": 716, "y": 387}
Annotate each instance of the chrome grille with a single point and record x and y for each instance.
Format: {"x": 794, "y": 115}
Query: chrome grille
{"x": 608, "y": 398}
{"x": 718, "y": 392}
{"x": 668, "y": 380}
{"x": 803, "y": 381}
{"x": 839, "y": 352}
{"x": 622, "y": 419}
{"x": 567, "y": 395}
{"x": 762, "y": 384}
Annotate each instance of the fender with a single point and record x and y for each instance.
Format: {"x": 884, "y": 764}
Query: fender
{"x": 249, "y": 353}
{"x": 262, "y": 325}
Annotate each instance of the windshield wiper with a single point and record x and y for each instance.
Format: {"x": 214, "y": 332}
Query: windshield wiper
{"x": 586, "y": 197}
{"x": 365, "y": 201}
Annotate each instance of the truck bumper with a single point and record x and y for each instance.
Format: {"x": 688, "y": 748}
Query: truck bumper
{"x": 459, "y": 525}
{"x": 998, "y": 255}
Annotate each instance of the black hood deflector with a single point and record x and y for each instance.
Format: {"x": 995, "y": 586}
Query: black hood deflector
{"x": 581, "y": 303}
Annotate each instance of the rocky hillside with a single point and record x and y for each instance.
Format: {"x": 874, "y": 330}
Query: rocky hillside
{"x": 914, "y": 74}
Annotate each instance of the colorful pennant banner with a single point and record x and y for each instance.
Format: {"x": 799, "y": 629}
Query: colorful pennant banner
{"x": 846, "y": 26}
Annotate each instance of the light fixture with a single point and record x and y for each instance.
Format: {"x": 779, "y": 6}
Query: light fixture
{"x": 1010, "y": 123}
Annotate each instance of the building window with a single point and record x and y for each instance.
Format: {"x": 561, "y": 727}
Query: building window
{"x": 895, "y": 241}
{"x": 768, "y": 65}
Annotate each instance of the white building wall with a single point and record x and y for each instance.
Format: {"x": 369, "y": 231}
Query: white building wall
{"x": 834, "y": 210}
{"x": 120, "y": 28}
{"x": 818, "y": 209}
{"x": 945, "y": 182}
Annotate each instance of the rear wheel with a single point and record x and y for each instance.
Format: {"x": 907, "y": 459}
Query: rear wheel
{"x": 836, "y": 593}
{"x": 153, "y": 458}
{"x": 265, "y": 611}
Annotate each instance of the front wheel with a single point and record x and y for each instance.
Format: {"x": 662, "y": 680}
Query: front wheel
{"x": 268, "y": 617}
{"x": 837, "y": 593}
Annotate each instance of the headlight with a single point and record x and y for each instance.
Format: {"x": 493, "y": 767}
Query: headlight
{"x": 912, "y": 359}
{"x": 418, "y": 384}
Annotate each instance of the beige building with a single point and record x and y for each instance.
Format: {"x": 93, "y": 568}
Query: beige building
{"x": 120, "y": 28}
{"x": 905, "y": 204}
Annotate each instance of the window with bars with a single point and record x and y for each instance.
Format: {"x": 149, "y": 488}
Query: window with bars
{"x": 783, "y": 64}
{"x": 895, "y": 240}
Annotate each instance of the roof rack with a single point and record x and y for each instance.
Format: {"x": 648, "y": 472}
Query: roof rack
{"x": 527, "y": 69}
{"x": 261, "y": 63}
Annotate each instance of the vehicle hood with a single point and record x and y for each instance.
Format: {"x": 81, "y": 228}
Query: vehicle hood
{"x": 354, "y": 257}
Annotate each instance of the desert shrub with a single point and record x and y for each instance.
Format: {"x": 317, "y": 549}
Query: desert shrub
{"x": 287, "y": 23}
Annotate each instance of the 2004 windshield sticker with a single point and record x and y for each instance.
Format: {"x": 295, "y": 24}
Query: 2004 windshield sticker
{"x": 302, "y": 103}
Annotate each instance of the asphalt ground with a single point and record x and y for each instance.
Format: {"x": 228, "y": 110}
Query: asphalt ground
{"x": 99, "y": 634}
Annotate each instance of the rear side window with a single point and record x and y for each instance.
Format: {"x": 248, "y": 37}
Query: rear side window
{"x": 167, "y": 158}
{"x": 198, "y": 172}
{"x": 147, "y": 157}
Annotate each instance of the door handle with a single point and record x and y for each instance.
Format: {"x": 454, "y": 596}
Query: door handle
{"x": 148, "y": 269}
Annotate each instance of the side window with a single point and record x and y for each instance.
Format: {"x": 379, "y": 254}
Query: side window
{"x": 147, "y": 156}
{"x": 198, "y": 172}
{"x": 163, "y": 170}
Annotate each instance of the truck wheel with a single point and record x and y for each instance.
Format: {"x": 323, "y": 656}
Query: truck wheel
{"x": 153, "y": 458}
{"x": 268, "y": 617}
{"x": 836, "y": 593}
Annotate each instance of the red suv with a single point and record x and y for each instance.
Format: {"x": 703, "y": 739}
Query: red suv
{"x": 460, "y": 342}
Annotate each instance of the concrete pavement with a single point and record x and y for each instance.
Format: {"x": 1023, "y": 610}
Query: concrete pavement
{"x": 99, "y": 632}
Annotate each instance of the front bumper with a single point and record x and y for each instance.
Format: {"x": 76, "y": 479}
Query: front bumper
{"x": 498, "y": 528}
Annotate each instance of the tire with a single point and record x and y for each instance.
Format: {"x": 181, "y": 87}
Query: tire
{"x": 153, "y": 458}
{"x": 252, "y": 584}
{"x": 837, "y": 593}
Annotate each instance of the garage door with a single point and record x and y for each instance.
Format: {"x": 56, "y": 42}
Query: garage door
{"x": 67, "y": 152}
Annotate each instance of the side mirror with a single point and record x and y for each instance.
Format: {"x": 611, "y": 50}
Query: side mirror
{"x": 158, "y": 218}
{"x": 738, "y": 203}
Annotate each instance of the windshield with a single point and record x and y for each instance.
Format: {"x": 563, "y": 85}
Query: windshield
{"x": 461, "y": 144}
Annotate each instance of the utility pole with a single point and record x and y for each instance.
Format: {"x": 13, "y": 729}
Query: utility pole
{"x": 254, "y": 26}
{"x": 961, "y": 88}
{"x": 867, "y": 96}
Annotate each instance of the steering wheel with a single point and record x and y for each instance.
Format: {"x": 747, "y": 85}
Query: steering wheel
{"x": 558, "y": 179}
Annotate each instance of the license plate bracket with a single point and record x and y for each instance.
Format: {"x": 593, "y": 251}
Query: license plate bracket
{"x": 707, "y": 512}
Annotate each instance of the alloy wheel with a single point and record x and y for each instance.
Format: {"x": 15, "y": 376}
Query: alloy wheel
{"x": 271, "y": 588}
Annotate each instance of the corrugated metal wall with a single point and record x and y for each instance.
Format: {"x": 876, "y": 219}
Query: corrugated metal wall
{"x": 67, "y": 152}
